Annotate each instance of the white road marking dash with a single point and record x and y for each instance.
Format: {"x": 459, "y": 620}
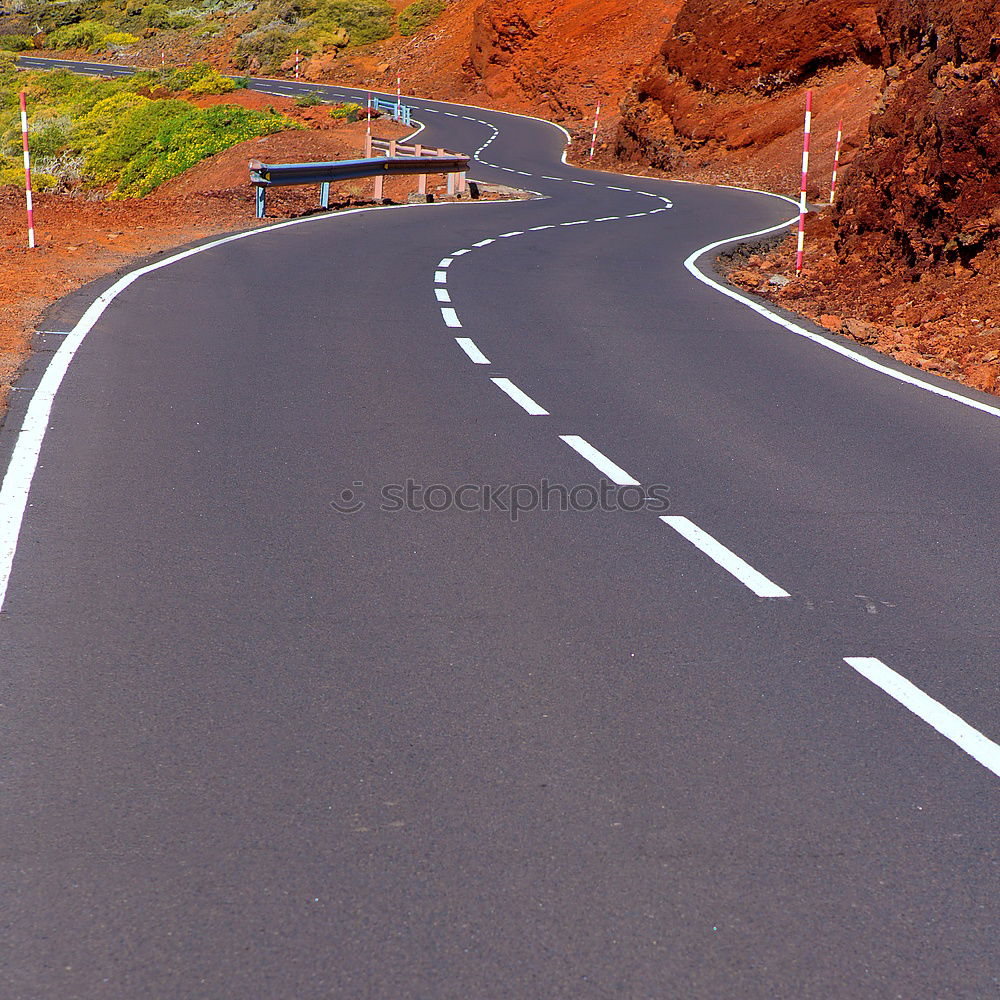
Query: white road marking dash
{"x": 521, "y": 398}
{"x": 476, "y": 355}
{"x": 450, "y": 318}
{"x": 600, "y": 461}
{"x": 441, "y": 277}
{"x": 945, "y": 721}
{"x": 727, "y": 559}
{"x": 442, "y": 294}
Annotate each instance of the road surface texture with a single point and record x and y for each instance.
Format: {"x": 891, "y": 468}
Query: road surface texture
{"x": 255, "y": 747}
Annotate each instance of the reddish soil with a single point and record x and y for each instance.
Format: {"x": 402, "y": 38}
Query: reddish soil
{"x": 924, "y": 323}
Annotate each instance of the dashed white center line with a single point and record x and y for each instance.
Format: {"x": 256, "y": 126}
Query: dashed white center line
{"x": 546, "y": 178}
{"x": 608, "y": 218}
{"x": 475, "y": 355}
{"x": 442, "y": 294}
{"x": 579, "y": 222}
{"x": 444, "y": 262}
{"x": 441, "y": 277}
{"x": 538, "y": 229}
{"x": 521, "y": 398}
{"x": 727, "y": 559}
{"x": 945, "y": 721}
{"x": 636, "y": 215}
{"x": 503, "y": 236}
{"x": 483, "y": 243}
{"x": 450, "y": 318}
{"x": 585, "y": 183}
{"x": 600, "y": 461}
{"x": 611, "y": 187}
{"x": 459, "y": 253}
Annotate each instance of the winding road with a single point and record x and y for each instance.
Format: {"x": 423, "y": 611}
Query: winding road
{"x": 464, "y": 601}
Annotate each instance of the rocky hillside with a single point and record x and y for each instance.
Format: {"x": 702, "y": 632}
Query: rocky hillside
{"x": 931, "y": 165}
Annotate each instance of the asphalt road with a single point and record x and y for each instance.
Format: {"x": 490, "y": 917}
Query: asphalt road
{"x": 255, "y": 747}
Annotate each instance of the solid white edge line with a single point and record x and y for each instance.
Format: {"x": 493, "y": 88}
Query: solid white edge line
{"x": 838, "y": 348}
{"x": 450, "y": 318}
{"x": 599, "y": 460}
{"x": 442, "y": 294}
{"x": 728, "y": 560}
{"x": 24, "y": 458}
{"x": 520, "y": 397}
{"x": 944, "y": 720}
{"x": 469, "y": 346}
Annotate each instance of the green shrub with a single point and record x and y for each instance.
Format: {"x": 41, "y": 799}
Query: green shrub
{"x": 198, "y": 74}
{"x": 212, "y": 85}
{"x": 49, "y": 133}
{"x": 325, "y": 39}
{"x": 348, "y": 112}
{"x": 269, "y": 48}
{"x": 199, "y": 78}
{"x": 90, "y": 129}
{"x": 156, "y": 15}
{"x": 184, "y": 140}
{"x": 15, "y": 176}
{"x": 365, "y": 21}
{"x": 16, "y": 43}
{"x": 132, "y": 134}
{"x": 418, "y": 15}
{"x": 309, "y": 100}
{"x": 117, "y": 39}
{"x": 179, "y": 20}
{"x": 85, "y": 35}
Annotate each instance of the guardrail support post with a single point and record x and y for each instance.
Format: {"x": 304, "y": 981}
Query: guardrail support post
{"x": 324, "y": 194}
{"x": 368, "y": 146}
{"x": 392, "y": 147}
{"x": 418, "y": 151}
{"x": 261, "y": 201}
{"x": 379, "y": 187}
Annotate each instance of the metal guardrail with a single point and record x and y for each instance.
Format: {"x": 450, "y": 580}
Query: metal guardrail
{"x": 401, "y": 112}
{"x": 265, "y": 175}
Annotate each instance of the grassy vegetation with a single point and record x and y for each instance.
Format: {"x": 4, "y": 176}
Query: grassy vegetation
{"x": 270, "y": 30}
{"x": 130, "y": 135}
{"x": 418, "y": 15}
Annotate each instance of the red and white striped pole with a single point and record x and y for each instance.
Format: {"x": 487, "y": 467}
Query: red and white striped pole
{"x": 836, "y": 161}
{"x": 27, "y": 172}
{"x": 593, "y": 138}
{"x": 399, "y": 93}
{"x": 803, "y": 207}
{"x": 296, "y": 64}
{"x": 163, "y": 59}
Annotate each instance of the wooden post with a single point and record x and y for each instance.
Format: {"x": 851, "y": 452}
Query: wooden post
{"x": 380, "y": 187}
